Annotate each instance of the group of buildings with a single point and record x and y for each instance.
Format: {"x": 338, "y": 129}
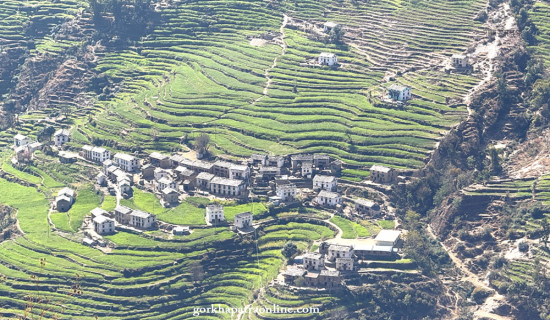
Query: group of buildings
{"x": 24, "y": 147}
{"x": 326, "y": 267}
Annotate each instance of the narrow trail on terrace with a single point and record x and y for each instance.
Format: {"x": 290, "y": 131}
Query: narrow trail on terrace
{"x": 283, "y": 52}
{"x": 469, "y": 276}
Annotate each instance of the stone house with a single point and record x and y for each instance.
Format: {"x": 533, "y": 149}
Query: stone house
{"x": 61, "y": 136}
{"x": 336, "y": 251}
{"x": 382, "y": 174}
{"x": 214, "y": 213}
{"x": 95, "y": 154}
{"x": 313, "y": 261}
{"x": 322, "y": 182}
{"x": 399, "y": 93}
{"x": 103, "y": 225}
{"x": 328, "y": 59}
{"x": 367, "y": 207}
{"x": 126, "y": 162}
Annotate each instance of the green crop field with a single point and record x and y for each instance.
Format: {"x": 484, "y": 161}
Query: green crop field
{"x": 186, "y": 78}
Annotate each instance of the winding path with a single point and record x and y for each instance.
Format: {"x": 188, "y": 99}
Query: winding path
{"x": 283, "y": 52}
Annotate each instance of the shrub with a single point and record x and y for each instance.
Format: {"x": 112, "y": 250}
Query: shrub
{"x": 479, "y": 295}
{"x": 523, "y": 246}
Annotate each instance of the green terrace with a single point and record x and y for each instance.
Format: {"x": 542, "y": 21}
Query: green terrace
{"x": 186, "y": 78}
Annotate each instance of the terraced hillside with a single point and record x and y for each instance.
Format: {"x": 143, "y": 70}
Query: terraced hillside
{"x": 240, "y": 71}
{"x": 143, "y": 278}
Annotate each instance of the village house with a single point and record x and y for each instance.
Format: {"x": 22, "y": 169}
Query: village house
{"x": 328, "y": 199}
{"x": 293, "y": 273}
{"x": 307, "y": 169}
{"x": 313, "y": 261}
{"x": 124, "y": 186}
{"x": 257, "y": 159}
{"x": 459, "y": 60}
{"x": 336, "y": 251}
{"x": 65, "y": 157}
{"x": 329, "y": 183}
{"x": 214, "y": 214}
{"x": 297, "y": 160}
{"x": 103, "y": 225}
{"x": 286, "y": 192}
{"x": 164, "y": 183}
{"x": 321, "y": 161}
{"x": 95, "y": 154}
{"x": 122, "y": 214}
{"x": 20, "y": 140}
{"x": 329, "y": 26}
{"x": 195, "y": 165}
{"x": 65, "y": 199}
{"x": 101, "y": 179}
{"x": 230, "y": 170}
{"x": 170, "y": 196}
{"x": 227, "y": 187}
{"x": 203, "y": 180}
{"x": 126, "y": 162}
{"x": 329, "y": 279}
{"x": 328, "y": 59}
{"x": 33, "y": 146}
{"x": 142, "y": 220}
{"x": 243, "y": 220}
{"x": 275, "y": 161}
{"x": 61, "y": 136}
{"x": 268, "y": 173}
{"x": 148, "y": 172}
{"x": 160, "y": 173}
{"x": 399, "y": 93}
{"x": 381, "y": 174}
{"x": 344, "y": 264}
{"x": 96, "y": 212}
{"x": 387, "y": 238}
{"x": 184, "y": 173}
{"x": 160, "y": 160}
{"x": 367, "y": 207}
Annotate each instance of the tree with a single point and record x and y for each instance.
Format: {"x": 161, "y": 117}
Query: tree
{"x": 545, "y": 233}
{"x": 496, "y": 168}
{"x": 202, "y": 143}
{"x": 45, "y": 134}
{"x": 336, "y": 34}
{"x": 289, "y": 250}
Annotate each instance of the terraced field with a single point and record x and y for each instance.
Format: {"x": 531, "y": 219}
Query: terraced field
{"x": 187, "y": 77}
{"x": 539, "y": 14}
{"x": 142, "y": 278}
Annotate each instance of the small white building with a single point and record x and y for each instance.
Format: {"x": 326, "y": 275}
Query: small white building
{"x": 20, "y": 140}
{"x": 275, "y": 161}
{"x": 329, "y": 26}
{"x": 387, "y": 238}
{"x": 124, "y": 186}
{"x": 328, "y": 59}
{"x": 286, "y": 192}
{"x": 367, "y": 207}
{"x": 104, "y": 225}
{"x": 61, "y": 136}
{"x": 344, "y": 264}
{"x": 101, "y": 179}
{"x": 243, "y": 220}
{"x": 181, "y": 230}
{"x": 328, "y": 199}
{"x": 329, "y": 183}
{"x": 214, "y": 213}
{"x": 96, "y": 154}
{"x": 313, "y": 261}
{"x": 33, "y": 146}
{"x": 399, "y": 93}
{"x": 307, "y": 169}
{"x": 164, "y": 183}
{"x": 336, "y": 251}
{"x": 459, "y": 61}
{"x": 126, "y": 162}
{"x": 382, "y": 174}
